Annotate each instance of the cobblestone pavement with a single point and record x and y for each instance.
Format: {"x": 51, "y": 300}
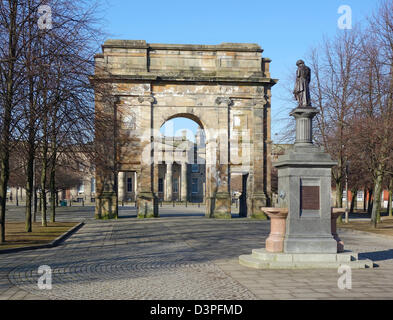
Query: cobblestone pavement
{"x": 186, "y": 257}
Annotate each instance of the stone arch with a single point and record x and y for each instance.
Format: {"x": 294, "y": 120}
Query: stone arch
{"x": 225, "y": 87}
{"x": 190, "y": 116}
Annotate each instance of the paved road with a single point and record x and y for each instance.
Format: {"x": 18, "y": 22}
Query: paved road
{"x": 181, "y": 256}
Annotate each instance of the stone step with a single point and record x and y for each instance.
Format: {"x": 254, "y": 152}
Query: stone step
{"x": 262, "y": 254}
{"x": 253, "y": 261}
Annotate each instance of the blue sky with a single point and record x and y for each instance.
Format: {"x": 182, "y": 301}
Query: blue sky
{"x": 285, "y": 29}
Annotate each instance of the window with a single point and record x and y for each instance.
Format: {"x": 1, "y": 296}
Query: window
{"x": 195, "y": 168}
{"x": 236, "y": 121}
{"x": 129, "y": 184}
{"x": 176, "y": 185}
{"x": 81, "y": 188}
{"x": 161, "y": 185}
{"x": 93, "y": 185}
{"x": 360, "y": 195}
{"x": 194, "y": 186}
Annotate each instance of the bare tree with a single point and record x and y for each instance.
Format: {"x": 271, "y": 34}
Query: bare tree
{"x": 333, "y": 92}
{"x": 373, "y": 122}
{"x": 10, "y": 26}
{"x": 44, "y": 69}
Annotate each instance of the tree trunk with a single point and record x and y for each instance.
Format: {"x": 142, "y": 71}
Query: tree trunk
{"x": 390, "y": 210}
{"x": 35, "y": 201}
{"x": 43, "y": 190}
{"x": 3, "y": 193}
{"x": 354, "y": 193}
{"x": 43, "y": 208}
{"x": 370, "y": 201}
{"x": 339, "y": 194}
{"x": 53, "y": 192}
{"x": 376, "y": 214}
{"x": 52, "y": 183}
{"x": 339, "y": 199}
{"x": 365, "y": 199}
{"x": 44, "y": 166}
{"x": 7, "y": 113}
{"x": 29, "y": 191}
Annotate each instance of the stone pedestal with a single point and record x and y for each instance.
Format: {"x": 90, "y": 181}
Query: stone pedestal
{"x": 275, "y": 241}
{"x": 147, "y": 205}
{"x": 106, "y": 205}
{"x": 222, "y": 207}
{"x": 258, "y": 200}
{"x": 336, "y": 212}
{"x": 304, "y": 187}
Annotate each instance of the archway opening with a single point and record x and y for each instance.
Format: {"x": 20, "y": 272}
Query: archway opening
{"x": 181, "y": 155}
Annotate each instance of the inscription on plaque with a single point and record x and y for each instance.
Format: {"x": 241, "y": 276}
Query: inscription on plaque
{"x": 310, "y": 198}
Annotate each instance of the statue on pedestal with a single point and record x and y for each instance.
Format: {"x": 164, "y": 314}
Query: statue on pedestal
{"x": 302, "y": 85}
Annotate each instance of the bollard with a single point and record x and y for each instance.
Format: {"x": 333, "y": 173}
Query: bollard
{"x": 186, "y": 204}
{"x": 173, "y": 203}
{"x": 122, "y": 203}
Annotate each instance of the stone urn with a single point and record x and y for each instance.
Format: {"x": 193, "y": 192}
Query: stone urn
{"x": 336, "y": 212}
{"x": 278, "y": 216}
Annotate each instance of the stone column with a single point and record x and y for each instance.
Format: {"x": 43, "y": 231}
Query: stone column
{"x": 169, "y": 179}
{"x": 258, "y": 192}
{"x": 222, "y": 206}
{"x": 135, "y": 176}
{"x": 269, "y": 144}
{"x": 106, "y": 183}
{"x": 211, "y": 183}
{"x": 147, "y": 200}
{"x": 304, "y": 130}
{"x": 122, "y": 187}
{"x": 184, "y": 181}
{"x": 204, "y": 191}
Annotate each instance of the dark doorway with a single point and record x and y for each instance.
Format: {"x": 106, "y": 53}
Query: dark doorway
{"x": 243, "y": 197}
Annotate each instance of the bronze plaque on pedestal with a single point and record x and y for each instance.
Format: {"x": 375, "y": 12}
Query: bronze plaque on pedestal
{"x": 309, "y": 198}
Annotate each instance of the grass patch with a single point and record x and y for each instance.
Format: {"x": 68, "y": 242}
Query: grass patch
{"x": 384, "y": 228}
{"x": 16, "y": 236}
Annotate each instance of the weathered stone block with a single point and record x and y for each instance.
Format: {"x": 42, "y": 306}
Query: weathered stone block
{"x": 147, "y": 206}
{"x": 106, "y": 206}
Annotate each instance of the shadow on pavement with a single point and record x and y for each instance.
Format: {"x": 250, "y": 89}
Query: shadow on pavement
{"x": 377, "y": 255}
